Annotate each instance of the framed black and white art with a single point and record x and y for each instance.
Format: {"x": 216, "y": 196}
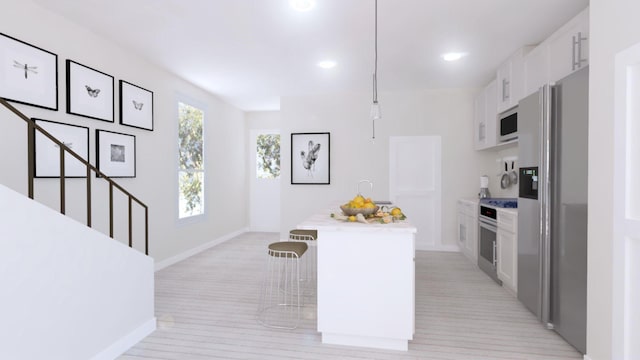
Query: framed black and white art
{"x": 310, "y": 160}
{"x": 136, "y": 106}
{"x": 28, "y": 74}
{"x": 115, "y": 154}
{"x": 47, "y": 153}
{"x": 89, "y": 92}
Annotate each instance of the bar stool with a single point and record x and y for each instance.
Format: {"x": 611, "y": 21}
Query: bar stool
{"x": 309, "y": 275}
{"x": 280, "y": 296}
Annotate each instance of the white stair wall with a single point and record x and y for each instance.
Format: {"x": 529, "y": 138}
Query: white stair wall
{"x": 68, "y": 291}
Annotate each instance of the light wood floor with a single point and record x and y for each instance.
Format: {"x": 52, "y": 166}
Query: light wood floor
{"x": 206, "y": 308}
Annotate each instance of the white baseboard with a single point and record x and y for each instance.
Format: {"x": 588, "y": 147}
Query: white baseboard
{"x": 198, "y": 249}
{"x": 119, "y": 347}
{"x": 447, "y": 248}
{"x": 586, "y": 357}
{"x": 263, "y": 229}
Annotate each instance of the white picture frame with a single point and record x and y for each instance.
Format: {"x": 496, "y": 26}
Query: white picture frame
{"x": 89, "y": 92}
{"x": 310, "y": 158}
{"x": 115, "y": 154}
{"x": 47, "y": 153}
{"x": 28, "y": 74}
{"x": 136, "y": 106}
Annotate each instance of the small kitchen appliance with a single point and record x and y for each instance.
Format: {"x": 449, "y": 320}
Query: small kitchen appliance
{"x": 484, "y": 187}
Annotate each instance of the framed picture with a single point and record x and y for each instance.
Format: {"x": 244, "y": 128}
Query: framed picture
{"x": 28, "y": 74}
{"x": 115, "y": 154}
{"x": 47, "y": 153}
{"x": 89, "y": 92}
{"x": 136, "y": 106}
{"x": 310, "y": 160}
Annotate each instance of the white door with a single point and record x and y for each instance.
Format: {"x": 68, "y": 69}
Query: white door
{"x": 264, "y": 200}
{"x": 626, "y": 227}
{"x": 415, "y": 185}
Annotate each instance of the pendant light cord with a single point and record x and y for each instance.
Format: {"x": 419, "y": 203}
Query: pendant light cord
{"x": 375, "y": 69}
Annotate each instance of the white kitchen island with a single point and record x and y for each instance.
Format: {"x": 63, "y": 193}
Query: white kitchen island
{"x": 366, "y": 282}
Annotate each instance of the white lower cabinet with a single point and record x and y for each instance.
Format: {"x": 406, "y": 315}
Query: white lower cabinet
{"x": 468, "y": 228}
{"x": 507, "y": 249}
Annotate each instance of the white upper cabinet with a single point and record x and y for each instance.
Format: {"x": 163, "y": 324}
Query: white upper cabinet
{"x": 510, "y": 80}
{"x": 569, "y": 47}
{"x": 536, "y": 70}
{"x": 484, "y": 119}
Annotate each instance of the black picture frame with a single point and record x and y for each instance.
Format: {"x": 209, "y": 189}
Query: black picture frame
{"x": 47, "y": 153}
{"x": 28, "y": 74}
{"x": 136, "y": 106}
{"x": 311, "y": 158}
{"x": 116, "y": 154}
{"x": 90, "y": 93}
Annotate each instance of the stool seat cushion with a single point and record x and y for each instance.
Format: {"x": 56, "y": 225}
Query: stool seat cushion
{"x": 296, "y": 247}
{"x": 312, "y": 233}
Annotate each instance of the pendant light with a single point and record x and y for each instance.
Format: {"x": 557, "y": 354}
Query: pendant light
{"x": 375, "y": 107}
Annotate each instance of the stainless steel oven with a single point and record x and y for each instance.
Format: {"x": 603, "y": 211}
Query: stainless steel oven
{"x": 488, "y": 227}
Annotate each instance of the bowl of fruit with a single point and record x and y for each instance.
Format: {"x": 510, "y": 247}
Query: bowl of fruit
{"x": 359, "y": 205}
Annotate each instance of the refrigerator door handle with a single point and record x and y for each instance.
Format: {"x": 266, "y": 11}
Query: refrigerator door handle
{"x": 545, "y": 202}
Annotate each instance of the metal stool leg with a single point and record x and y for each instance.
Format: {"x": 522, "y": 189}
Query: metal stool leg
{"x": 309, "y": 272}
{"x": 280, "y": 295}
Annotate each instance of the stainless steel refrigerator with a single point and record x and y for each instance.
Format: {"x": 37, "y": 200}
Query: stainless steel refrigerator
{"x": 552, "y": 206}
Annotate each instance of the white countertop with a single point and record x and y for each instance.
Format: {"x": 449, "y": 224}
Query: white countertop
{"x": 323, "y": 221}
{"x": 513, "y": 211}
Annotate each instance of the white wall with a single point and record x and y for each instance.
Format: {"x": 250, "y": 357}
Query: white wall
{"x": 614, "y": 27}
{"x": 493, "y": 166}
{"x": 354, "y": 156}
{"x": 69, "y": 292}
{"x": 156, "y": 180}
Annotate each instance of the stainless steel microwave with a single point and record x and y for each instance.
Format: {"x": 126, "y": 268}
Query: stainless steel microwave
{"x": 508, "y": 125}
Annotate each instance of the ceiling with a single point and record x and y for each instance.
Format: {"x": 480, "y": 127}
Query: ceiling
{"x": 252, "y": 52}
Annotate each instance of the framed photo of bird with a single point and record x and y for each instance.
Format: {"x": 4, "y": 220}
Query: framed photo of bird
{"x": 89, "y": 92}
{"x": 28, "y": 74}
{"x": 310, "y": 158}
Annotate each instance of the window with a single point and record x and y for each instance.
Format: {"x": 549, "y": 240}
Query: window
{"x": 190, "y": 161}
{"x": 268, "y": 156}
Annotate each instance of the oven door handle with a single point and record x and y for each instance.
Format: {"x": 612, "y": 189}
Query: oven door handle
{"x": 495, "y": 260}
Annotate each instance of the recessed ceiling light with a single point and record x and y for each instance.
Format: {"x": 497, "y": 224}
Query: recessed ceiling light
{"x": 453, "y": 56}
{"x": 327, "y": 64}
{"x": 302, "y": 5}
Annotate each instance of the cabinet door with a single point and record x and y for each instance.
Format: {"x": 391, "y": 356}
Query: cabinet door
{"x": 507, "y": 259}
{"x": 462, "y": 232}
{"x": 504, "y": 79}
{"x": 472, "y": 238}
{"x": 479, "y": 122}
{"x": 536, "y": 69}
{"x": 569, "y": 47}
{"x": 491, "y": 113}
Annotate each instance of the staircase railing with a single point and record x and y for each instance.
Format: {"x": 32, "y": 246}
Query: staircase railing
{"x": 32, "y": 127}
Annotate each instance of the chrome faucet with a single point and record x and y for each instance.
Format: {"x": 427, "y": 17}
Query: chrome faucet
{"x": 364, "y": 181}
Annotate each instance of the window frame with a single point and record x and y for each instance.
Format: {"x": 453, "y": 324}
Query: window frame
{"x": 255, "y": 151}
{"x": 182, "y": 99}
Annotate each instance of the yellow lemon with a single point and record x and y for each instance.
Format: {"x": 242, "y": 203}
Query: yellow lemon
{"x": 369, "y": 205}
{"x": 396, "y": 212}
{"x": 352, "y": 218}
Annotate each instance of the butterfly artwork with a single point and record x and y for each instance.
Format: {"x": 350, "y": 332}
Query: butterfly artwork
{"x": 309, "y": 158}
{"x": 27, "y": 69}
{"x": 137, "y": 105}
{"x": 92, "y": 92}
